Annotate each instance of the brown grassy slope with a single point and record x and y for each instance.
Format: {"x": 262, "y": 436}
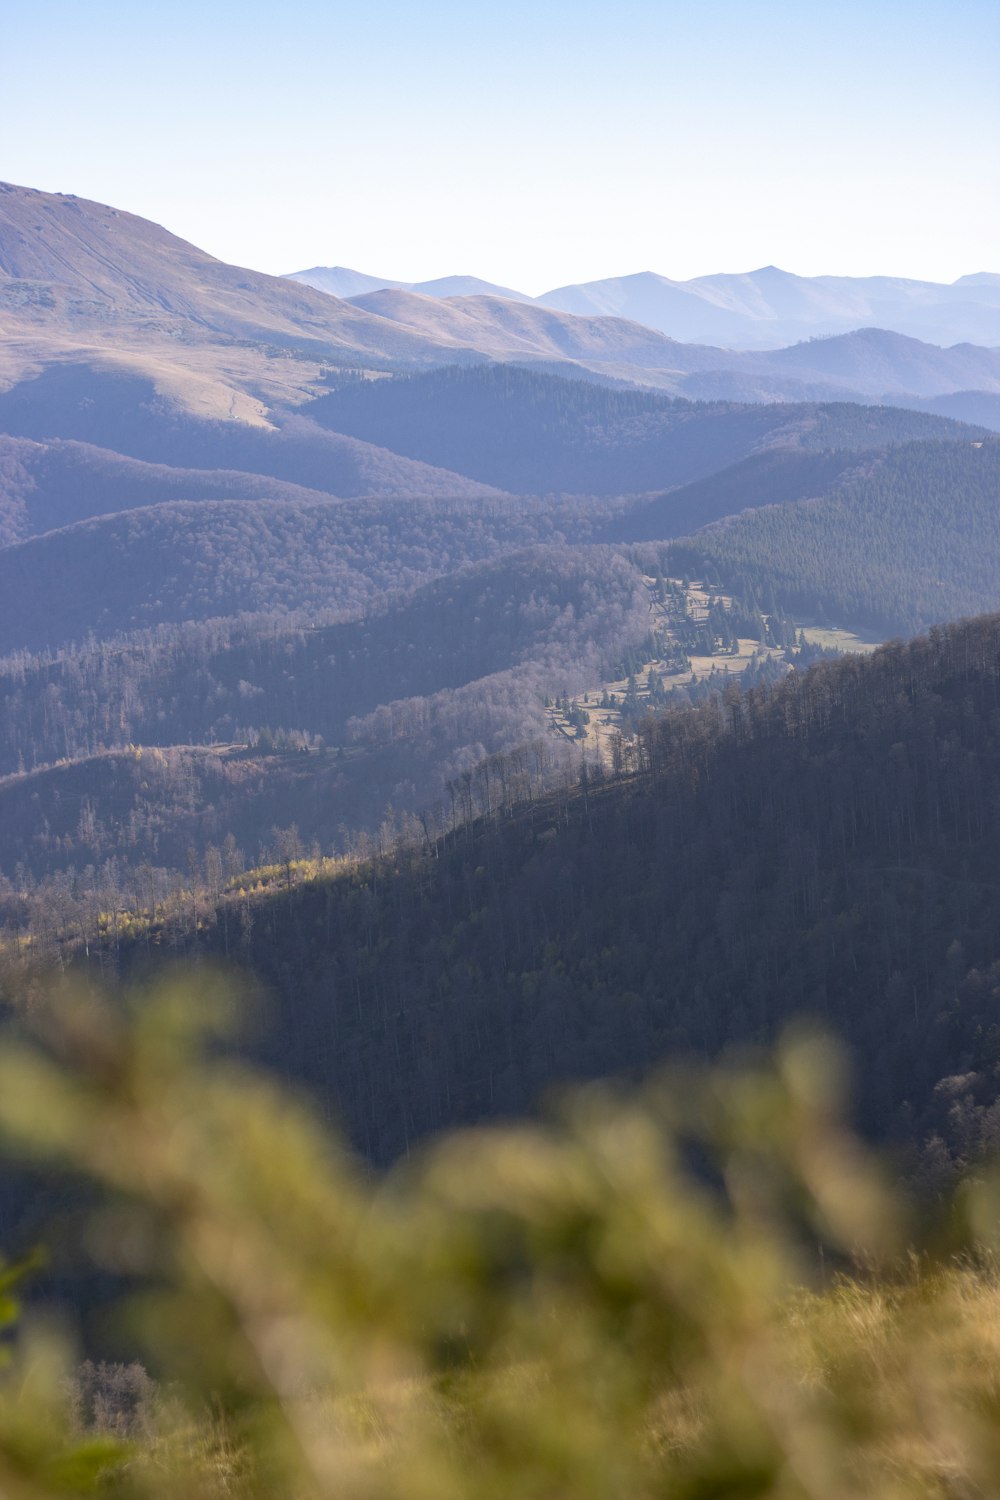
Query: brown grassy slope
{"x": 84, "y": 281}
{"x": 507, "y": 329}
{"x": 46, "y": 483}
{"x": 111, "y": 266}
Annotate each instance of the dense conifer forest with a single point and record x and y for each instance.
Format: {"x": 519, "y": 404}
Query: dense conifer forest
{"x": 910, "y": 539}
{"x": 174, "y": 563}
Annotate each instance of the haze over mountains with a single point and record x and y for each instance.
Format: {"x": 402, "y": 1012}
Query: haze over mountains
{"x": 758, "y": 309}
{"x": 339, "y": 281}
{"x": 88, "y": 290}
{"x": 242, "y": 519}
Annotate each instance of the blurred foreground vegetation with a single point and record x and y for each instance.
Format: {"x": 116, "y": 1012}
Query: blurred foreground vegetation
{"x": 705, "y": 1289}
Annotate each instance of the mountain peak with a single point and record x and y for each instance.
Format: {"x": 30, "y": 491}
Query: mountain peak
{"x": 341, "y": 281}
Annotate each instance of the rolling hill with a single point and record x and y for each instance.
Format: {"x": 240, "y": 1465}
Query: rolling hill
{"x": 527, "y": 432}
{"x": 772, "y": 477}
{"x": 863, "y": 363}
{"x": 122, "y": 413}
{"x": 880, "y": 363}
{"x": 982, "y": 407}
{"x": 45, "y": 486}
{"x": 416, "y": 691}
{"x": 506, "y": 330}
{"x": 233, "y": 508}
{"x": 178, "y": 561}
{"x": 115, "y": 297}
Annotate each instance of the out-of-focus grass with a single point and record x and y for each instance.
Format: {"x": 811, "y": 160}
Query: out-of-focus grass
{"x": 703, "y": 1289}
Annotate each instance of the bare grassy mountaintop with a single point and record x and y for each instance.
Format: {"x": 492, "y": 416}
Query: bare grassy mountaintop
{"x": 83, "y": 281}
{"x": 98, "y": 265}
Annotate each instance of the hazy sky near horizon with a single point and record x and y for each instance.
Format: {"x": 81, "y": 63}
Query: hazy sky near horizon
{"x": 531, "y": 144}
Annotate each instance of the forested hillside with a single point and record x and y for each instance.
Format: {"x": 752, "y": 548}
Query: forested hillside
{"x": 44, "y": 486}
{"x": 772, "y": 477}
{"x": 313, "y": 561}
{"x": 408, "y": 639}
{"x": 418, "y": 691}
{"x": 824, "y": 847}
{"x": 499, "y": 808}
{"x": 912, "y": 539}
{"x": 982, "y": 407}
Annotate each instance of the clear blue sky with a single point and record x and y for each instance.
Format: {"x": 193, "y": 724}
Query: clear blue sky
{"x": 529, "y": 143}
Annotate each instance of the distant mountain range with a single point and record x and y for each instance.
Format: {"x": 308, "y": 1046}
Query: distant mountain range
{"x": 771, "y": 307}
{"x": 94, "y": 297}
{"x": 866, "y": 364}
{"x": 761, "y": 309}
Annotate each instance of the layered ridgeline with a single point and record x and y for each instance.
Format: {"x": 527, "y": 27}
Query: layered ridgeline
{"x": 532, "y": 433}
{"x": 760, "y": 309}
{"x": 396, "y": 644}
{"x": 865, "y": 364}
{"x": 156, "y": 545}
{"x": 821, "y": 848}
{"x": 102, "y": 293}
{"x": 445, "y": 434}
{"x": 45, "y": 486}
{"x": 49, "y": 484}
{"x": 122, "y": 416}
{"x": 769, "y": 306}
